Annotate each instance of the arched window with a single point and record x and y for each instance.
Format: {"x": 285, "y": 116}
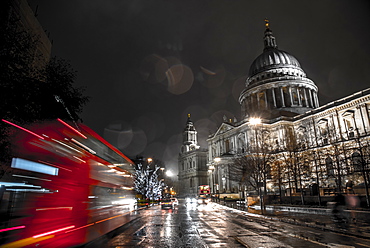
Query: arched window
{"x": 306, "y": 166}
{"x": 227, "y": 146}
{"x": 348, "y": 118}
{"x": 241, "y": 145}
{"x": 329, "y": 166}
{"x": 356, "y": 161}
{"x": 324, "y": 130}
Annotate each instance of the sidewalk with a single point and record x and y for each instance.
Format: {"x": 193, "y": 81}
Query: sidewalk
{"x": 316, "y": 217}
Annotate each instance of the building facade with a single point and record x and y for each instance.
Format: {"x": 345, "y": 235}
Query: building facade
{"x": 19, "y": 15}
{"x": 192, "y": 163}
{"x": 285, "y": 142}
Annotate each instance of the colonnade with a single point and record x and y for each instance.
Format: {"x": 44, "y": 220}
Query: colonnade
{"x": 281, "y": 97}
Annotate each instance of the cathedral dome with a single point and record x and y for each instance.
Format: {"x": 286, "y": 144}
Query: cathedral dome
{"x": 273, "y": 58}
{"x": 277, "y": 85}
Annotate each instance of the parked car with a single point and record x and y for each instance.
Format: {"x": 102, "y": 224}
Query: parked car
{"x": 143, "y": 203}
{"x": 167, "y": 203}
{"x": 175, "y": 201}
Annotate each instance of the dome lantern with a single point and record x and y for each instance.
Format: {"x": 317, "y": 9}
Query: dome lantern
{"x": 269, "y": 39}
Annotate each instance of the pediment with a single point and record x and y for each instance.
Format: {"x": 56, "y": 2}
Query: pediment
{"x": 225, "y": 127}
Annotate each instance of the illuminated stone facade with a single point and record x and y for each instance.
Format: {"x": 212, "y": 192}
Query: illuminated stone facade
{"x": 299, "y": 145}
{"x": 192, "y": 163}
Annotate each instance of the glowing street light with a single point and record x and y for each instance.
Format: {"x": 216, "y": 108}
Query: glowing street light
{"x": 169, "y": 173}
{"x": 254, "y": 121}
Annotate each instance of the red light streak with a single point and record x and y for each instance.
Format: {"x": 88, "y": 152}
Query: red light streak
{"x": 108, "y": 218}
{"x": 81, "y": 160}
{"x": 109, "y": 145}
{"x": 43, "y": 162}
{"x": 67, "y": 208}
{"x": 74, "y": 129}
{"x": 80, "y": 227}
{"x": 55, "y": 231}
{"x": 12, "y": 228}
{"x": 24, "y": 129}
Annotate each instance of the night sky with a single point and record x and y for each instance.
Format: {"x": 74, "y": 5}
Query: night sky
{"x": 146, "y": 64}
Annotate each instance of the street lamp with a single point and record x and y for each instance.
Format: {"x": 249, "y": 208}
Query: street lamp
{"x": 255, "y": 121}
{"x": 211, "y": 168}
{"x": 169, "y": 173}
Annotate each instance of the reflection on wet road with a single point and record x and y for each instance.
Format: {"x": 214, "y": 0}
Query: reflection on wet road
{"x": 213, "y": 225}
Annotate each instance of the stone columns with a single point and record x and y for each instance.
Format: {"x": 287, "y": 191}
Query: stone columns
{"x": 282, "y": 97}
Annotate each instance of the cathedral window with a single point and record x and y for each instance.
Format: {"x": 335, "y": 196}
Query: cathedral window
{"x": 348, "y": 118}
{"x": 254, "y": 104}
{"x": 329, "y": 166}
{"x": 285, "y": 96}
{"x": 294, "y": 96}
{"x": 227, "y": 146}
{"x": 241, "y": 145}
{"x": 324, "y": 130}
{"x": 301, "y": 137}
{"x": 306, "y": 167}
{"x": 261, "y": 100}
{"x": 356, "y": 162}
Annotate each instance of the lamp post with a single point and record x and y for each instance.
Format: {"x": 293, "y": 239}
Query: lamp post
{"x": 255, "y": 122}
{"x": 216, "y": 178}
{"x": 211, "y": 168}
{"x": 317, "y": 178}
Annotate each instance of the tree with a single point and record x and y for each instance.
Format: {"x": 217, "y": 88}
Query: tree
{"x": 277, "y": 175}
{"x": 246, "y": 171}
{"x": 147, "y": 183}
{"x": 33, "y": 88}
{"x": 294, "y": 163}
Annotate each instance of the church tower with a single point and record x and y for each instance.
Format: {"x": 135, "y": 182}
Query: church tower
{"x": 277, "y": 85}
{"x": 189, "y": 138}
{"x": 191, "y": 162}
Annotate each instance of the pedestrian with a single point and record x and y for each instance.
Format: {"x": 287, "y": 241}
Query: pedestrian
{"x": 352, "y": 203}
{"x": 349, "y": 187}
{"x": 338, "y": 208}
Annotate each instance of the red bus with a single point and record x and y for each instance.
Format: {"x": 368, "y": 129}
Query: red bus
{"x": 63, "y": 187}
{"x": 204, "y": 194}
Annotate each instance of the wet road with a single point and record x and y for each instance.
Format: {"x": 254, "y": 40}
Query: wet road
{"x": 213, "y": 225}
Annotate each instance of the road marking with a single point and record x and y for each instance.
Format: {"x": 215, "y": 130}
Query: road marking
{"x": 362, "y": 244}
{"x": 241, "y": 242}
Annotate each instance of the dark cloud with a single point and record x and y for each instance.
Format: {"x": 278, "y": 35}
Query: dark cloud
{"x": 147, "y": 64}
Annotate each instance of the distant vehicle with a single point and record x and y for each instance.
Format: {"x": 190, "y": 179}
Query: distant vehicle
{"x": 143, "y": 203}
{"x": 175, "y": 201}
{"x": 191, "y": 200}
{"x": 167, "y": 203}
{"x": 204, "y": 194}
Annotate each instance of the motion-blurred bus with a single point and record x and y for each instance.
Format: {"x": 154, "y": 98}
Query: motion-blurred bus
{"x": 63, "y": 187}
